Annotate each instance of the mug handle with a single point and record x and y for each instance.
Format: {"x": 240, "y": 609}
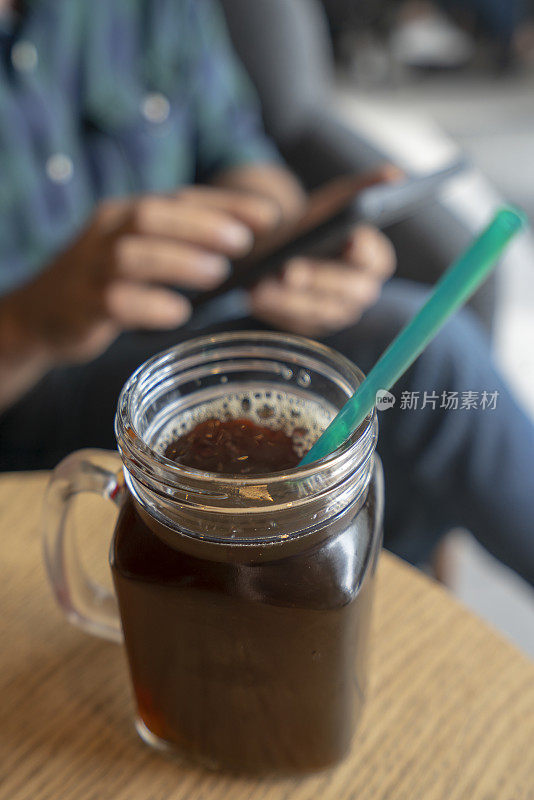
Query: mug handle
{"x": 86, "y": 604}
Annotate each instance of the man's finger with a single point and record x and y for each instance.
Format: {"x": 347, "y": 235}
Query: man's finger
{"x": 371, "y": 251}
{"x": 301, "y": 310}
{"x": 257, "y": 213}
{"x": 134, "y": 306}
{"x": 152, "y": 259}
{"x": 204, "y": 227}
{"x": 332, "y": 279}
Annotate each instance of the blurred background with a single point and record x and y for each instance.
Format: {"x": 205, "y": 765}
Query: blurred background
{"x": 426, "y": 78}
{"x": 344, "y": 86}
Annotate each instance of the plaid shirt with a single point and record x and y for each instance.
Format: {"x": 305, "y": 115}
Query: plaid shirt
{"x": 102, "y": 98}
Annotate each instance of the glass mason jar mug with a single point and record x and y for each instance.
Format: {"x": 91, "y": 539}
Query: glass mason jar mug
{"x": 243, "y": 601}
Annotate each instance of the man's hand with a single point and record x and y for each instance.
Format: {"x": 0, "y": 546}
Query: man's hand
{"x": 315, "y": 298}
{"x": 118, "y": 274}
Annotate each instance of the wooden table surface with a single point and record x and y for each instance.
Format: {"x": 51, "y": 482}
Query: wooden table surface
{"x": 450, "y": 711}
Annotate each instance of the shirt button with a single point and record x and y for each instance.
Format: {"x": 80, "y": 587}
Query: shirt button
{"x": 59, "y": 168}
{"x": 24, "y": 56}
{"x": 155, "y": 108}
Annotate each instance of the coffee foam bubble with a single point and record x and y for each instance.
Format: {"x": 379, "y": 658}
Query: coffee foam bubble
{"x": 301, "y": 417}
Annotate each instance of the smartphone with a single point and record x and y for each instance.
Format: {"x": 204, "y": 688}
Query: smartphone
{"x": 332, "y": 212}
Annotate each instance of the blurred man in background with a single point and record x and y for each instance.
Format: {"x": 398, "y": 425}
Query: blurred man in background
{"x": 134, "y": 165}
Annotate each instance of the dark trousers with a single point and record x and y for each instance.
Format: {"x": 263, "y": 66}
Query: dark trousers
{"x": 471, "y": 467}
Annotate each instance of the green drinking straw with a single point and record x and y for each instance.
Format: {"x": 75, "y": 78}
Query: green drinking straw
{"x": 453, "y": 289}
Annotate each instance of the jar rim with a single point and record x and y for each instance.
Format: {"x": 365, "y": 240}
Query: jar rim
{"x": 132, "y": 445}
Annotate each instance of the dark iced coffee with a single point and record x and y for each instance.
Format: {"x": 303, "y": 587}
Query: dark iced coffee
{"x": 243, "y": 580}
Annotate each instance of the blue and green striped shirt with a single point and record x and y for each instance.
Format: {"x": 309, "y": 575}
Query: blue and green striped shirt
{"x": 102, "y": 98}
